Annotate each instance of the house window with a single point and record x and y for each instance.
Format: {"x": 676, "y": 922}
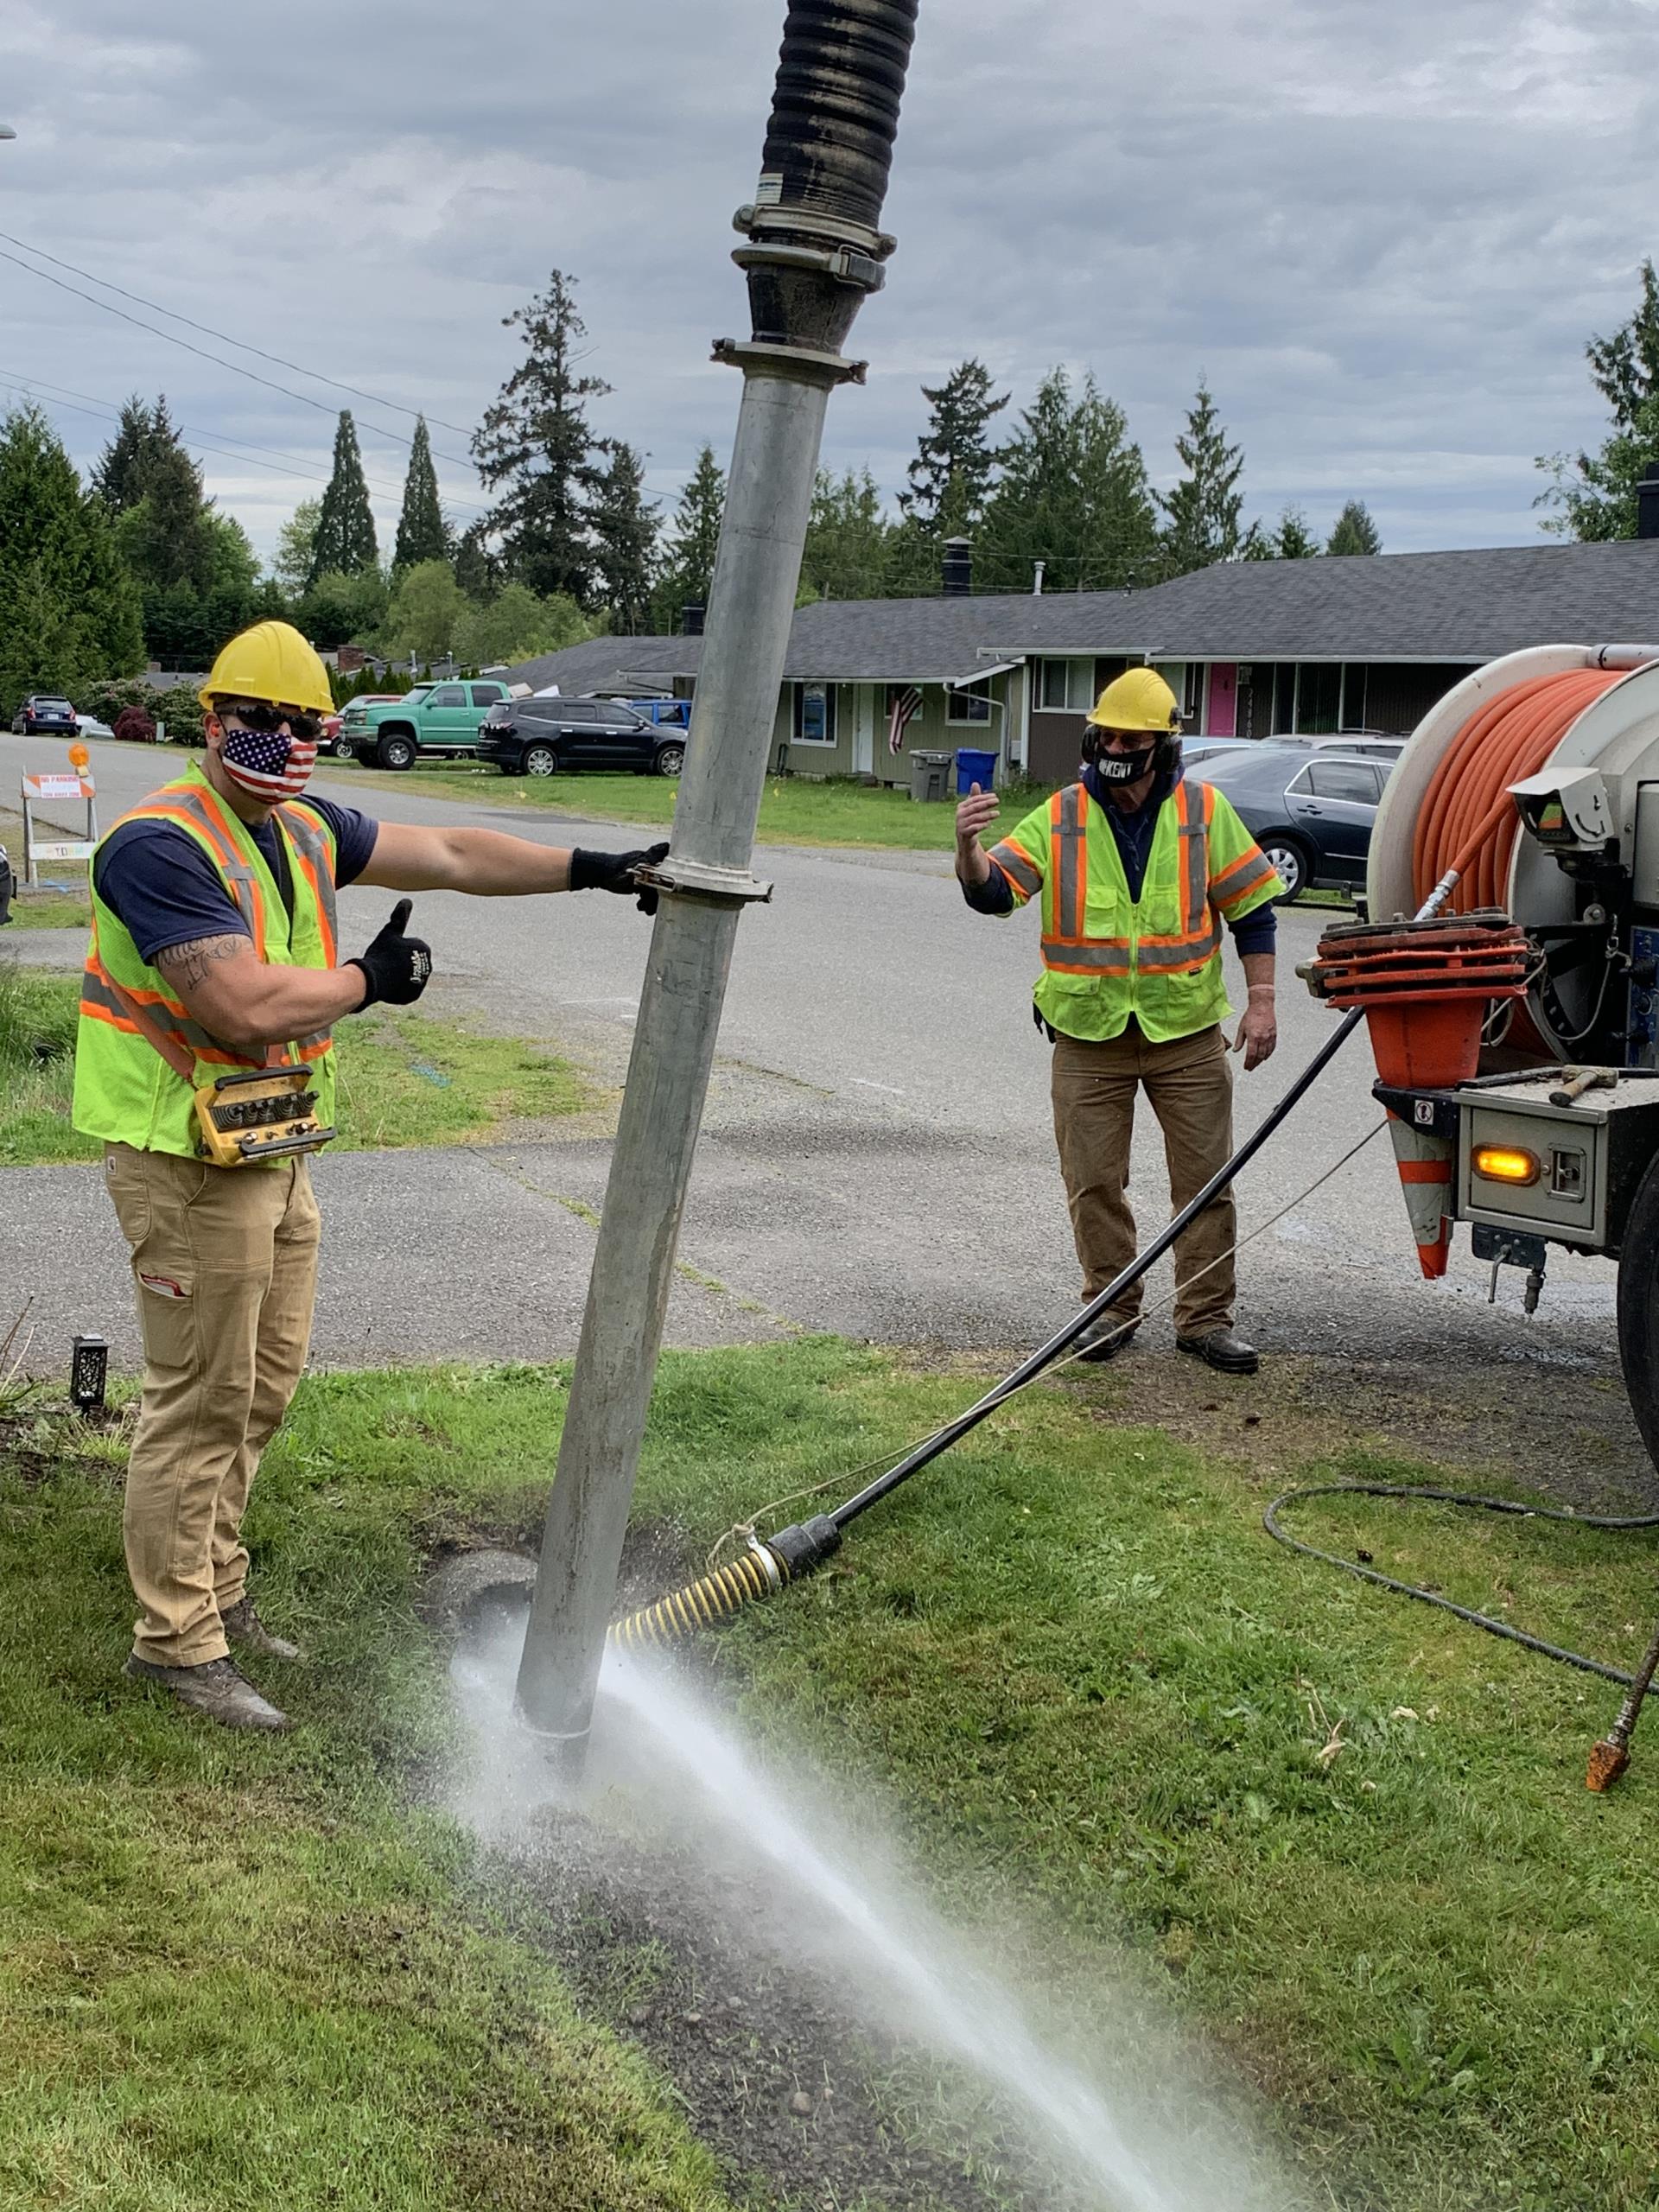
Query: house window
{"x": 1068, "y": 686}
{"x": 815, "y": 713}
{"x": 973, "y": 706}
{"x": 1353, "y": 695}
{"x": 1319, "y": 698}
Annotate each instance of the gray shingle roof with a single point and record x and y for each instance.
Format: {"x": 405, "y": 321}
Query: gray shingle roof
{"x": 601, "y": 666}
{"x": 1412, "y": 607}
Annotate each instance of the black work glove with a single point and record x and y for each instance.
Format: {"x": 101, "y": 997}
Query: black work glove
{"x": 615, "y": 872}
{"x": 397, "y": 968}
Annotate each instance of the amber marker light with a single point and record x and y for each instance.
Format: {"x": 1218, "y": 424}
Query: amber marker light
{"x": 1503, "y": 1163}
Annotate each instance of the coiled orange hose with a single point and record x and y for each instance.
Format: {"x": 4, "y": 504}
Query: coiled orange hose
{"x": 1467, "y": 821}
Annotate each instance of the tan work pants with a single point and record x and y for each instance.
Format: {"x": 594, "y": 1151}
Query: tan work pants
{"x": 224, "y": 1260}
{"x": 1190, "y": 1084}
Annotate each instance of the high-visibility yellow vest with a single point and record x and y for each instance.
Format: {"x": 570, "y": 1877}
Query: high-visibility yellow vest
{"x": 1107, "y": 956}
{"x": 127, "y": 1091}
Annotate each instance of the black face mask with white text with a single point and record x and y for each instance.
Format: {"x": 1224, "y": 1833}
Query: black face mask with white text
{"x": 1120, "y": 767}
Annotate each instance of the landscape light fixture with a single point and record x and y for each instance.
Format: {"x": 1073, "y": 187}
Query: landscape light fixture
{"x": 89, "y": 1368}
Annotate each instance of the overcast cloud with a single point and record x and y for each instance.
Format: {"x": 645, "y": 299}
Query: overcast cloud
{"x": 1383, "y": 232}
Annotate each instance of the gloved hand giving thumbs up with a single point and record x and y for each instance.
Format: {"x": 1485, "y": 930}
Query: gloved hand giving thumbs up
{"x": 397, "y": 968}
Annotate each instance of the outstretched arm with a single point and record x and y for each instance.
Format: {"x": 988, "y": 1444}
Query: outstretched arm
{"x": 486, "y": 862}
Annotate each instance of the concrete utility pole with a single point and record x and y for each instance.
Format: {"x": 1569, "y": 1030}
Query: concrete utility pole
{"x": 812, "y": 251}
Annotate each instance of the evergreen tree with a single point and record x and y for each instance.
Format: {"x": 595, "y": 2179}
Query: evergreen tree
{"x": 1354, "y": 531}
{"x": 1072, "y": 493}
{"x": 846, "y": 539}
{"x": 624, "y": 540}
{"x": 687, "y": 570}
{"x": 69, "y": 611}
{"x": 1201, "y": 515}
{"x": 1594, "y": 494}
{"x": 950, "y": 476}
{"x": 117, "y": 474}
{"x": 534, "y": 447}
{"x": 422, "y": 533}
{"x": 345, "y": 544}
{"x": 1292, "y": 541}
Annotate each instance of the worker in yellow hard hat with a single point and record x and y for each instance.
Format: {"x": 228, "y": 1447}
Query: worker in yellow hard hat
{"x": 1137, "y": 867}
{"x": 214, "y": 955}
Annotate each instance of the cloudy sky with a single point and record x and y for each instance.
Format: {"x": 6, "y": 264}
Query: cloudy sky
{"x": 1383, "y": 232}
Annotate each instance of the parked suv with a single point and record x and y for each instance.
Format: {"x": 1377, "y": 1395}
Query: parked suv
{"x": 1310, "y": 811}
{"x": 433, "y": 721}
{"x": 539, "y": 737}
{"x": 42, "y": 715}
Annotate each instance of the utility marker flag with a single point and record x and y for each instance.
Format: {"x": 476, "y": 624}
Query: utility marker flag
{"x": 907, "y": 705}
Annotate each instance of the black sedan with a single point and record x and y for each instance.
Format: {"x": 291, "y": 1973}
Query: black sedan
{"x": 42, "y": 715}
{"x": 1310, "y": 810}
{"x": 541, "y": 737}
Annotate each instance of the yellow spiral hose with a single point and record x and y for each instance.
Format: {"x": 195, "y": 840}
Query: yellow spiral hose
{"x": 716, "y": 1597}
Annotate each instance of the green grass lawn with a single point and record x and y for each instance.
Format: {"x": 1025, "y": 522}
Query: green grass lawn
{"x": 1349, "y": 1837}
{"x": 794, "y": 811}
{"x": 405, "y": 1079}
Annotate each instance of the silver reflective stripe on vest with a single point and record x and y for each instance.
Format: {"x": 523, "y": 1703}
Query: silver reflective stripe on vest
{"x": 1191, "y": 952}
{"x": 98, "y": 991}
{"x": 1017, "y": 867}
{"x": 1071, "y": 834}
{"x": 1195, "y": 845}
{"x": 307, "y": 834}
{"x": 1097, "y": 956}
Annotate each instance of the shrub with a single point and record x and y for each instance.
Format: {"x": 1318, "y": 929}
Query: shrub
{"x": 134, "y": 725}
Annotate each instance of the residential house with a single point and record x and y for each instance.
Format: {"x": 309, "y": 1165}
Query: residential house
{"x": 1251, "y": 648}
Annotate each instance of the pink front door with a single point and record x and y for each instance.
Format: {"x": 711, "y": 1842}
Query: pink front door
{"x": 1221, "y": 718}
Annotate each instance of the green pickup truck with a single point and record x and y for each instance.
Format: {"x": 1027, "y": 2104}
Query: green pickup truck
{"x": 433, "y": 721}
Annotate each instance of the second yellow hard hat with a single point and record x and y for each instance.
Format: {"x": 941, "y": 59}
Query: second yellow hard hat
{"x": 1139, "y": 699}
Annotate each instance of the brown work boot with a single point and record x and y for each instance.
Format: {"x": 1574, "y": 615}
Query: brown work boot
{"x": 215, "y": 1689}
{"x": 243, "y": 1626}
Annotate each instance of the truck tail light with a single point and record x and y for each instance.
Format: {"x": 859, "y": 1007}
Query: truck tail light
{"x": 1506, "y": 1163}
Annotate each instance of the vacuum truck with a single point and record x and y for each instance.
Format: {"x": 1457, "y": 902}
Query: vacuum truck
{"x": 1517, "y": 1034}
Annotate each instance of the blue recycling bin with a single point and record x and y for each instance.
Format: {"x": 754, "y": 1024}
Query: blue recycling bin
{"x": 974, "y": 768}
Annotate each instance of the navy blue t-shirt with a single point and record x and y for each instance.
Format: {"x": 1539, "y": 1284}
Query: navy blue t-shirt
{"x": 158, "y": 882}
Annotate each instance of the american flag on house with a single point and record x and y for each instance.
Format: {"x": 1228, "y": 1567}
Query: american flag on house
{"x": 907, "y": 705}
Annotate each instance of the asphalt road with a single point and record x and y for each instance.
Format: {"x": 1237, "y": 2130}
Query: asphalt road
{"x": 877, "y": 1158}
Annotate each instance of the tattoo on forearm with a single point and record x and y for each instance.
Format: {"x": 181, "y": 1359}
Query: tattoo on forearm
{"x": 188, "y": 963}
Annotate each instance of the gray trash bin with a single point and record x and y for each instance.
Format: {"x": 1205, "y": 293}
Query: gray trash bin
{"x": 930, "y": 774}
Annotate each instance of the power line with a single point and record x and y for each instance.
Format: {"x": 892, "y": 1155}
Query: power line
{"x": 218, "y": 359}
{"x": 83, "y": 403}
{"x": 241, "y": 343}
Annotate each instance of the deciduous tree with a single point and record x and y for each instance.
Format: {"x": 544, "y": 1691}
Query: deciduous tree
{"x": 427, "y": 610}
{"x": 69, "y": 611}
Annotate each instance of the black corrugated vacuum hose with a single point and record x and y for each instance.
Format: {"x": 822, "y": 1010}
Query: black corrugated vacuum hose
{"x": 834, "y": 116}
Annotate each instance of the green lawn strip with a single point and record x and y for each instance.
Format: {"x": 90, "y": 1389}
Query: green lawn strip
{"x": 46, "y": 908}
{"x": 405, "y": 1078}
{"x": 242, "y": 1972}
{"x": 794, "y": 811}
{"x": 1349, "y": 1836}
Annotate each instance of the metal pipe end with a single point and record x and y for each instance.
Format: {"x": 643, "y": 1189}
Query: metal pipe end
{"x": 1608, "y": 1760}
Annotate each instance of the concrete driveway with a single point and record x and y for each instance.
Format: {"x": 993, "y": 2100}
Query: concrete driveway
{"x": 877, "y": 1157}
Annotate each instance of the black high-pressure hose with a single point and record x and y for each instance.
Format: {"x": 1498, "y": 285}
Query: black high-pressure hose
{"x": 793, "y": 1553}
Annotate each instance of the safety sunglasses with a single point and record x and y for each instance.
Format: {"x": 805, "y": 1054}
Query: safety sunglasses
{"x": 267, "y": 720}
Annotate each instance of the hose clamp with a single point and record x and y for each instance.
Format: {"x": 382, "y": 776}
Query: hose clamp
{"x": 726, "y": 887}
{"x": 805, "y": 364}
{"x": 767, "y": 1560}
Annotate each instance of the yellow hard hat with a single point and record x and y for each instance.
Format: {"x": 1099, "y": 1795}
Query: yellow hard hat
{"x": 1139, "y": 699}
{"x": 272, "y": 662}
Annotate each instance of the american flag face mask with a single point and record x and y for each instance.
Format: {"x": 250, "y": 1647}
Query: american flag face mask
{"x": 273, "y": 762}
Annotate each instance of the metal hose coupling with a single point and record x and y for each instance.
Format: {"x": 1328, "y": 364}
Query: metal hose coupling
{"x": 764, "y": 1569}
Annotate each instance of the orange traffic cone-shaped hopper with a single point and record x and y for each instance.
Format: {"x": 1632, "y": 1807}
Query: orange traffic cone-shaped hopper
{"x": 1427, "y": 987}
